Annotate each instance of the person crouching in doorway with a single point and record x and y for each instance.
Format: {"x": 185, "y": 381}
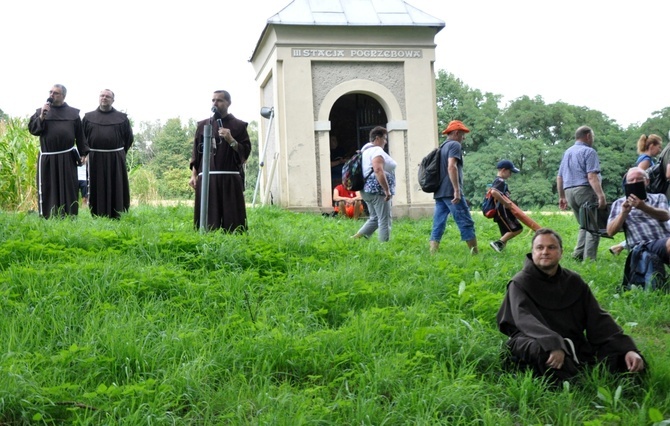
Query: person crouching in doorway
{"x": 349, "y": 203}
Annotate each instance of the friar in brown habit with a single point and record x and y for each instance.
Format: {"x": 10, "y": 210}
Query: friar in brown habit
{"x": 62, "y": 147}
{"x": 230, "y": 148}
{"x": 554, "y": 323}
{"x": 109, "y": 136}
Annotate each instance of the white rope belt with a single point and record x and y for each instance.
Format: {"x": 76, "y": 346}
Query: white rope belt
{"x": 39, "y": 173}
{"x": 107, "y": 150}
{"x": 220, "y": 173}
{"x": 56, "y": 152}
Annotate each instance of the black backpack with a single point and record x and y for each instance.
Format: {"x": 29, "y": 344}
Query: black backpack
{"x": 658, "y": 183}
{"x": 429, "y": 171}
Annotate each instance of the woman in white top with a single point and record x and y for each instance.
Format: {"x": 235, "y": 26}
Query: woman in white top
{"x": 379, "y": 187}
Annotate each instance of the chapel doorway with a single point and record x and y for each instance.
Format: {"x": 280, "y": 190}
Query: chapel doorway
{"x": 351, "y": 119}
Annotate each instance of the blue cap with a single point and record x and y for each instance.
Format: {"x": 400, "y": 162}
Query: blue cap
{"x": 506, "y": 164}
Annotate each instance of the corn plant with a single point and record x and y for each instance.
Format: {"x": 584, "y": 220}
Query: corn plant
{"x": 18, "y": 161}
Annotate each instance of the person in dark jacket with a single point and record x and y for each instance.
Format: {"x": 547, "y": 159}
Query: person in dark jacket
{"x": 554, "y": 323}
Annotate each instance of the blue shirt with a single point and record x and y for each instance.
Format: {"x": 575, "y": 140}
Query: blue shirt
{"x": 450, "y": 149}
{"x": 643, "y": 157}
{"x": 578, "y": 161}
{"x": 640, "y": 227}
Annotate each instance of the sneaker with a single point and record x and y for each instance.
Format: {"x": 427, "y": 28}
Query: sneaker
{"x": 497, "y": 245}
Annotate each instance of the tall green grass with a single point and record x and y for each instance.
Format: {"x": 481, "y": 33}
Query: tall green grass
{"x": 146, "y": 321}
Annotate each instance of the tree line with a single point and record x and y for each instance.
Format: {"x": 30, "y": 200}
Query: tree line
{"x": 534, "y": 135}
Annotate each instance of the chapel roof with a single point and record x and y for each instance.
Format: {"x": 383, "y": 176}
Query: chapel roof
{"x": 353, "y": 12}
{"x": 350, "y": 13}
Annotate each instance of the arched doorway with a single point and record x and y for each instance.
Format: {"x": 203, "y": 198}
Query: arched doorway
{"x": 351, "y": 119}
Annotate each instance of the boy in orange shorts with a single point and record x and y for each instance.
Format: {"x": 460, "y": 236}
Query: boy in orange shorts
{"x": 349, "y": 203}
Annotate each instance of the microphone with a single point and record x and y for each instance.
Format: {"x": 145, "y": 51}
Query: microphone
{"x": 214, "y": 110}
{"x": 44, "y": 112}
{"x": 219, "y": 122}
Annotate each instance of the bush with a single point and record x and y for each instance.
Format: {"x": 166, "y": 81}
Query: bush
{"x": 143, "y": 185}
{"x": 174, "y": 183}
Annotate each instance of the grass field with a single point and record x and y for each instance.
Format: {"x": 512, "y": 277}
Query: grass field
{"x": 145, "y": 321}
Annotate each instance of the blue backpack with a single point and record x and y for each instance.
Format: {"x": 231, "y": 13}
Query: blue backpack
{"x": 645, "y": 269}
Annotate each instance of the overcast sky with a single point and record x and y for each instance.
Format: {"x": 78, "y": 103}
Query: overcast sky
{"x": 164, "y": 59}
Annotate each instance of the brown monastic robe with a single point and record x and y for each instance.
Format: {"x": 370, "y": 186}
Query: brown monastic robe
{"x": 226, "y": 208}
{"x": 57, "y": 184}
{"x": 539, "y": 312}
{"x": 109, "y": 136}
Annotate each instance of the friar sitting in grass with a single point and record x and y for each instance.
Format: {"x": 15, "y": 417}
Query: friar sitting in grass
{"x": 554, "y": 323}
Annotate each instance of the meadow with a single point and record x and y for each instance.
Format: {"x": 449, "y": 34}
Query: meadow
{"x": 146, "y": 321}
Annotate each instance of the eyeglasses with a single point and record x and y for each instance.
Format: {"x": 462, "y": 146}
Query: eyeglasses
{"x": 53, "y": 92}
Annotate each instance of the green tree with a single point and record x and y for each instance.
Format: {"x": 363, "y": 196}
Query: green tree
{"x": 171, "y": 147}
{"x": 171, "y": 153}
{"x": 480, "y": 112}
{"x": 658, "y": 123}
{"x": 534, "y": 135}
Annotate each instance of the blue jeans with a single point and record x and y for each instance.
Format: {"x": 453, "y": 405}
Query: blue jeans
{"x": 462, "y": 217}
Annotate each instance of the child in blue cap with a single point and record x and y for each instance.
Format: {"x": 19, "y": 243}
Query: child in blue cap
{"x": 507, "y": 223}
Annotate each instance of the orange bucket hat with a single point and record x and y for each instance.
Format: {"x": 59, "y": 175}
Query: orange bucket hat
{"x": 455, "y": 125}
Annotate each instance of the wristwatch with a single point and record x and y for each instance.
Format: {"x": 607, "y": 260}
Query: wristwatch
{"x": 234, "y": 144}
